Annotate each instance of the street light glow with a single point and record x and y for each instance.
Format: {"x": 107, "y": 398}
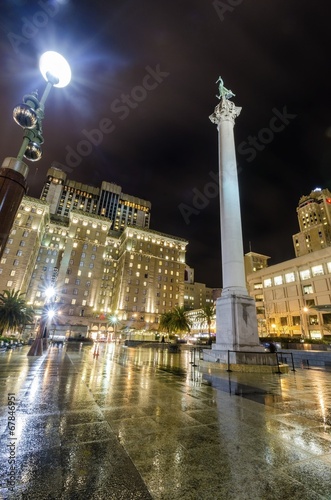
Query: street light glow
{"x": 55, "y": 69}
{"x": 50, "y": 314}
{"x": 49, "y": 292}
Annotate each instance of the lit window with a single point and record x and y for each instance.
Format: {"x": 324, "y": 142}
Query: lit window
{"x": 317, "y": 270}
{"x": 305, "y": 275}
{"x": 289, "y": 277}
{"x": 267, "y": 283}
{"x": 278, "y": 280}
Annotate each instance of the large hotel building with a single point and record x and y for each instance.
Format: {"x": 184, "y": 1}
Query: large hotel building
{"x": 294, "y": 297}
{"x": 95, "y": 246}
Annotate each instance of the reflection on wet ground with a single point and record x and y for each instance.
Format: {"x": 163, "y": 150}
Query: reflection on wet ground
{"x": 122, "y": 423}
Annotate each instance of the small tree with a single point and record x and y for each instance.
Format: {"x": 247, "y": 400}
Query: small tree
{"x": 166, "y": 322}
{"x": 206, "y": 315}
{"x": 14, "y": 311}
{"x": 180, "y": 322}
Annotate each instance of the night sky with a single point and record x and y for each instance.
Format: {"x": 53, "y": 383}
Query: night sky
{"x": 148, "y": 69}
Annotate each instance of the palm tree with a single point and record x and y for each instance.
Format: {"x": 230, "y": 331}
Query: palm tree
{"x": 14, "y": 311}
{"x": 165, "y": 322}
{"x": 206, "y": 315}
{"x": 180, "y": 322}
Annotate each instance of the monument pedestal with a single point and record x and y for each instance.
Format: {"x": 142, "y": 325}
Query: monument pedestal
{"x": 236, "y": 331}
{"x": 236, "y": 323}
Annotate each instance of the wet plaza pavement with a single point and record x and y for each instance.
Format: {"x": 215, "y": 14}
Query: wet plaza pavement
{"x": 147, "y": 424}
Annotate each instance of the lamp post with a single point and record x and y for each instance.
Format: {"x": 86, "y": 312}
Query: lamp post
{"x": 29, "y": 115}
{"x": 48, "y": 313}
{"x": 304, "y": 321}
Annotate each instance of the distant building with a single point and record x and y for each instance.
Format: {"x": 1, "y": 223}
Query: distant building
{"x": 314, "y": 217}
{"x": 294, "y": 297}
{"x": 63, "y": 195}
{"x": 137, "y": 274}
{"x": 254, "y": 262}
{"x": 197, "y": 295}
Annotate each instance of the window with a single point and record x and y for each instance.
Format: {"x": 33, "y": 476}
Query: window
{"x": 267, "y": 283}
{"x": 317, "y": 270}
{"x": 278, "y": 280}
{"x": 257, "y": 286}
{"x": 296, "y": 320}
{"x": 327, "y": 319}
{"x": 283, "y": 321}
{"x": 289, "y": 277}
{"x": 313, "y": 319}
{"x": 305, "y": 275}
{"x": 307, "y": 289}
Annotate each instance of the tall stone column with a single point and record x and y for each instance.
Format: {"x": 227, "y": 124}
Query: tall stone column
{"x": 236, "y": 321}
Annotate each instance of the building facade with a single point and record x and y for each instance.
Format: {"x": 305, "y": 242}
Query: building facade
{"x": 293, "y": 298}
{"x": 135, "y": 274}
{"x": 314, "y": 217}
{"x": 63, "y": 195}
{"x": 197, "y": 295}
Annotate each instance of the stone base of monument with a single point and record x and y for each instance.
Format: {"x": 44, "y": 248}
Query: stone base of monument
{"x": 237, "y": 346}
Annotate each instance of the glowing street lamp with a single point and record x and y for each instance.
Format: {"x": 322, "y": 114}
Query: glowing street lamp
{"x": 28, "y": 115}
{"x": 40, "y": 342}
{"x": 113, "y": 320}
